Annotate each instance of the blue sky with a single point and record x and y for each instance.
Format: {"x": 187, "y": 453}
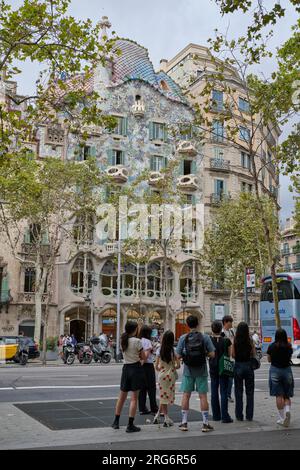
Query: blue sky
{"x": 165, "y": 27}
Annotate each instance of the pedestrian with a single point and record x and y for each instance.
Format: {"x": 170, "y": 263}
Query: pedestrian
{"x": 243, "y": 350}
{"x": 73, "y": 340}
{"x": 219, "y": 383}
{"x": 132, "y": 375}
{"x": 228, "y": 332}
{"x": 281, "y": 381}
{"x": 60, "y": 344}
{"x": 193, "y": 348}
{"x": 166, "y": 365}
{"x": 149, "y": 374}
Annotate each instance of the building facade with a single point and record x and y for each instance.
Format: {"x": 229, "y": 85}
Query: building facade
{"x": 290, "y": 247}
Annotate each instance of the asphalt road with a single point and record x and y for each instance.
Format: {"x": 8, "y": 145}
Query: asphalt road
{"x": 34, "y": 383}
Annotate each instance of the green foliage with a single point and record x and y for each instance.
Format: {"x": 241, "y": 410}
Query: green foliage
{"x": 51, "y": 343}
{"x": 235, "y": 240}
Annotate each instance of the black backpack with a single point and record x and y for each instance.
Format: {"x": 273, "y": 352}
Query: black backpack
{"x": 195, "y": 353}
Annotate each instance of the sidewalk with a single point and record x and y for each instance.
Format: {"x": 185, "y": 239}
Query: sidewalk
{"x": 19, "y": 431}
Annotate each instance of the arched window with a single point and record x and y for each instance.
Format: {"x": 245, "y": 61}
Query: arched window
{"x": 188, "y": 281}
{"x": 129, "y": 280}
{"x": 156, "y": 282}
{"x": 80, "y": 278}
{"x": 108, "y": 279}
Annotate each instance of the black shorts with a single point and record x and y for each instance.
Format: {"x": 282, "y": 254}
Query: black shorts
{"x": 132, "y": 378}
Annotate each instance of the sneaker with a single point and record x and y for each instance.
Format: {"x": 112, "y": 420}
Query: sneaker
{"x": 207, "y": 428}
{"x": 183, "y": 427}
{"x": 133, "y": 428}
{"x": 227, "y": 420}
{"x": 115, "y": 425}
{"x": 280, "y": 422}
{"x": 287, "y": 419}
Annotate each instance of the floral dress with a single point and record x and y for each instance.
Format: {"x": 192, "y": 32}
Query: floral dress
{"x": 166, "y": 380}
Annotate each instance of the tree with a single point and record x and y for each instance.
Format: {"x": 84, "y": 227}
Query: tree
{"x": 41, "y": 200}
{"x": 236, "y": 240}
{"x": 43, "y": 32}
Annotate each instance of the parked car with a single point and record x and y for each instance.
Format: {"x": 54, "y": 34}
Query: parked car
{"x": 13, "y": 349}
{"x": 33, "y": 349}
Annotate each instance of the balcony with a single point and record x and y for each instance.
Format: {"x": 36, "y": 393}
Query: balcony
{"x": 285, "y": 252}
{"x": 118, "y": 172}
{"x": 155, "y": 178}
{"x": 138, "y": 109}
{"x": 296, "y": 248}
{"x": 186, "y": 147}
{"x": 111, "y": 247}
{"x": 217, "y": 198}
{"x": 189, "y": 182}
{"x": 219, "y": 164}
{"x": 29, "y": 297}
{"x": 30, "y": 249}
{"x": 296, "y": 266}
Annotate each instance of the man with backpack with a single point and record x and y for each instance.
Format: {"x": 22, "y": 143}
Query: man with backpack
{"x": 193, "y": 348}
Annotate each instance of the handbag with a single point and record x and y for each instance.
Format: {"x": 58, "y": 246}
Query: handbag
{"x": 255, "y": 363}
{"x": 226, "y": 366}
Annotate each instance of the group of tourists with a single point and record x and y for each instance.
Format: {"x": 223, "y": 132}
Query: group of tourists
{"x": 226, "y": 355}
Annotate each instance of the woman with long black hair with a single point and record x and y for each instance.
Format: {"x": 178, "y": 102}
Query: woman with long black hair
{"x": 243, "y": 350}
{"x": 132, "y": 379}
{"x": 149, "y": 372}
{"x": 281, "y": 380}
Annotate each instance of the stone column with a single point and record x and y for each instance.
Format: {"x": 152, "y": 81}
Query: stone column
{"x": 61, "y": 323}
{"x": 97, "y": 326}
{"x": 172, "y": 322}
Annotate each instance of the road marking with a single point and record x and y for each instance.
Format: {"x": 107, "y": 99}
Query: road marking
{"x": 7, "y": 388}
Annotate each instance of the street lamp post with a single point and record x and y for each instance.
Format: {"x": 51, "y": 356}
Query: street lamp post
{"x": 183, "y": 306}
{"x": 90, "y": 298}
{"x": 118, "y": 302}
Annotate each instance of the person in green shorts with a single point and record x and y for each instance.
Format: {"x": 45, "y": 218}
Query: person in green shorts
{"x": 194, "y": 348}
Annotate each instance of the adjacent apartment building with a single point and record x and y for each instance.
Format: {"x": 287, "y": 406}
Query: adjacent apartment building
{"x": 226, "y": 168}
{"x": 290, "y": 247}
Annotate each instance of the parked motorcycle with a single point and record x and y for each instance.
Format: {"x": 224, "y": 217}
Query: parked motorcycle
{"x": 69, "y": 354}
{"x": 100, "y": 353}
{"x": 259, "y": 353}
{"x": 84, "y": 353}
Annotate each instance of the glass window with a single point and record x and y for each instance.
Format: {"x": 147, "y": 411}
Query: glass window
{"x": 244, "y": 105}
{"x": 29, "y": 281}
{"x": 157, "y": 163}
{"x": 285, "y": 291}
{"x": 157, "y": 131}
{"x": 217, "y": 100}
{"x": 218, "y": 131}
{"x": 244, "y": 134}
{"x": 245, "y": 160}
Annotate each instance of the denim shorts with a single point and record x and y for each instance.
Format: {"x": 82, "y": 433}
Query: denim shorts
{"x": 281, "y": 382}
{"x": 189, "y": 384}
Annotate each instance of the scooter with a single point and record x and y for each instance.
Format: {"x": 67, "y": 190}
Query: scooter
{"x": 84, "y": 353}
{"x": 100, "y": 354}
{"x": 69, "y": 354}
